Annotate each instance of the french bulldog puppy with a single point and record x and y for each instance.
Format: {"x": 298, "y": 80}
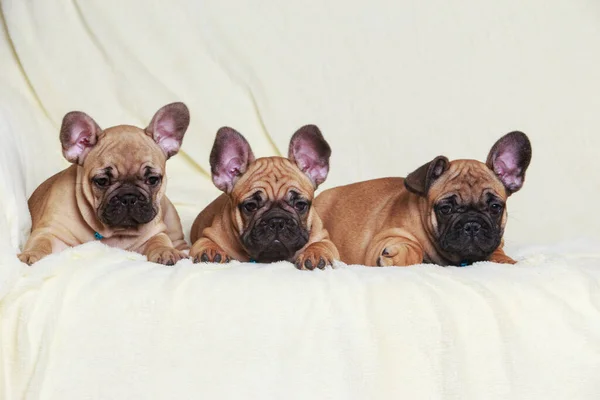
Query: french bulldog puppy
{"x": 114, "y": 191}
{"x": 265, "y": 212}
{"x": 445, "y": 212}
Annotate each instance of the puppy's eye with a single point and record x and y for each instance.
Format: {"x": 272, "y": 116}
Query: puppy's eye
{"x": 496, "y": 208}
{"x": 101, "y": 182}
{"x": 301, "y": 206}
{"x": 446, "y": 209}
{"x": 250, "y": 206}
{"x": 153, "y": 180}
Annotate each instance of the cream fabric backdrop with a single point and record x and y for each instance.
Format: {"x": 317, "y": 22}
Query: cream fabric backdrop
{"x": 392, "y": 84}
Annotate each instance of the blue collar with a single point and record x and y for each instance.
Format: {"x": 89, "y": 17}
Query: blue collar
{"x": 98, "y": 236}
{"x": 464, "y": 263}
{"x": 253, "y": 261}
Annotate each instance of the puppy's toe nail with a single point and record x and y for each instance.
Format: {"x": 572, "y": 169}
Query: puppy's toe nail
{"x": 385, "y": 252}
{"x": 308, "y": 264}
{"x": 322, "y": 263}
{"x": 170, "y": 262}
{"x": 204, "y": 257}
{"x": 299, "y": 264}
{"x": 217, "y": 258}
{"x": 227, "y": 259}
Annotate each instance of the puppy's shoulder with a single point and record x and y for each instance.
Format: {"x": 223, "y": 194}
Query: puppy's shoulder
{"x": 208, "y": 214}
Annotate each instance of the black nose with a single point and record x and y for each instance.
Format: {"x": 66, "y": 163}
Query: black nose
{"x": 276, "y": 224}
{"x": 472, "y": 228}
{"x": 128, "y": 199}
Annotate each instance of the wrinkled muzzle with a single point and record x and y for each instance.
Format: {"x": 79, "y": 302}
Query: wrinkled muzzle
{"x": 471, "y": 237}
{"x": 277, "y": 235}
{"x": 127, "y": 207}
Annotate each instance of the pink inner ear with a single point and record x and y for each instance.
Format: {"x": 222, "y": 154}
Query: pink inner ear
{"x": 80, "y": 140}
{"x": 309, "y": 164}
{"x": 165, "y": 135}
{"x": 224, "y": 177}
{"x": 506, "y": 168}
{"x": 169, "y": 145}
{"x": 166, "y": 126}
{"x": 229, "y": 158}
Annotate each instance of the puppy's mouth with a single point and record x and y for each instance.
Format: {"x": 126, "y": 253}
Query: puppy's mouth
{"x": 127, "y": 210}
{"x": 470, "y": 240}
{"x": 276, "y": 236}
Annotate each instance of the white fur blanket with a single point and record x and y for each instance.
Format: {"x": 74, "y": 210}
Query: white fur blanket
{"x": 100, "y": 323}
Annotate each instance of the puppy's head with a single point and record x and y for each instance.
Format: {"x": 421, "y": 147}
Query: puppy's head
{"x": 466, "y": 199}
{"x": 271, "y": 197}
{"x": 124, "y": 166}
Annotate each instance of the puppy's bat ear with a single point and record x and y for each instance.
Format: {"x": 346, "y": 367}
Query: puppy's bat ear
{"x": 229, "y": 158}
{"x": 309, "y": 150}
{"x": 78, "y": 134}
{"x": 420, "y": 180}
{"x": 168, "y": 127}
{"x": 509, "y": 158}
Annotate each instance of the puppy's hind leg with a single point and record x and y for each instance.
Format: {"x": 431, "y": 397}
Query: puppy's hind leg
{"x": 394, "y": 247}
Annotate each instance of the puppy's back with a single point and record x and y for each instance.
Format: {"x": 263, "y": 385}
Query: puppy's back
{"x": 353, "y": 214}
{"x": 363, "y": 196}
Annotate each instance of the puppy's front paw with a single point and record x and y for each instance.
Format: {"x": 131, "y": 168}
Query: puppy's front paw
{"x": 501, "y": 258}
{"x": 315, "y": 256}
{"x": 209, "y": 252}
{"x": 165, "y": 255}
{"x": 399, "y": 253}
{"x": 31, "y": 257}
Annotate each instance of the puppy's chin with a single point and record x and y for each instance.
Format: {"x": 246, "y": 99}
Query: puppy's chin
{"x": 276, "y": 251}
{"x": 468, "y": 253}
{"x": 127, "y": 221}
